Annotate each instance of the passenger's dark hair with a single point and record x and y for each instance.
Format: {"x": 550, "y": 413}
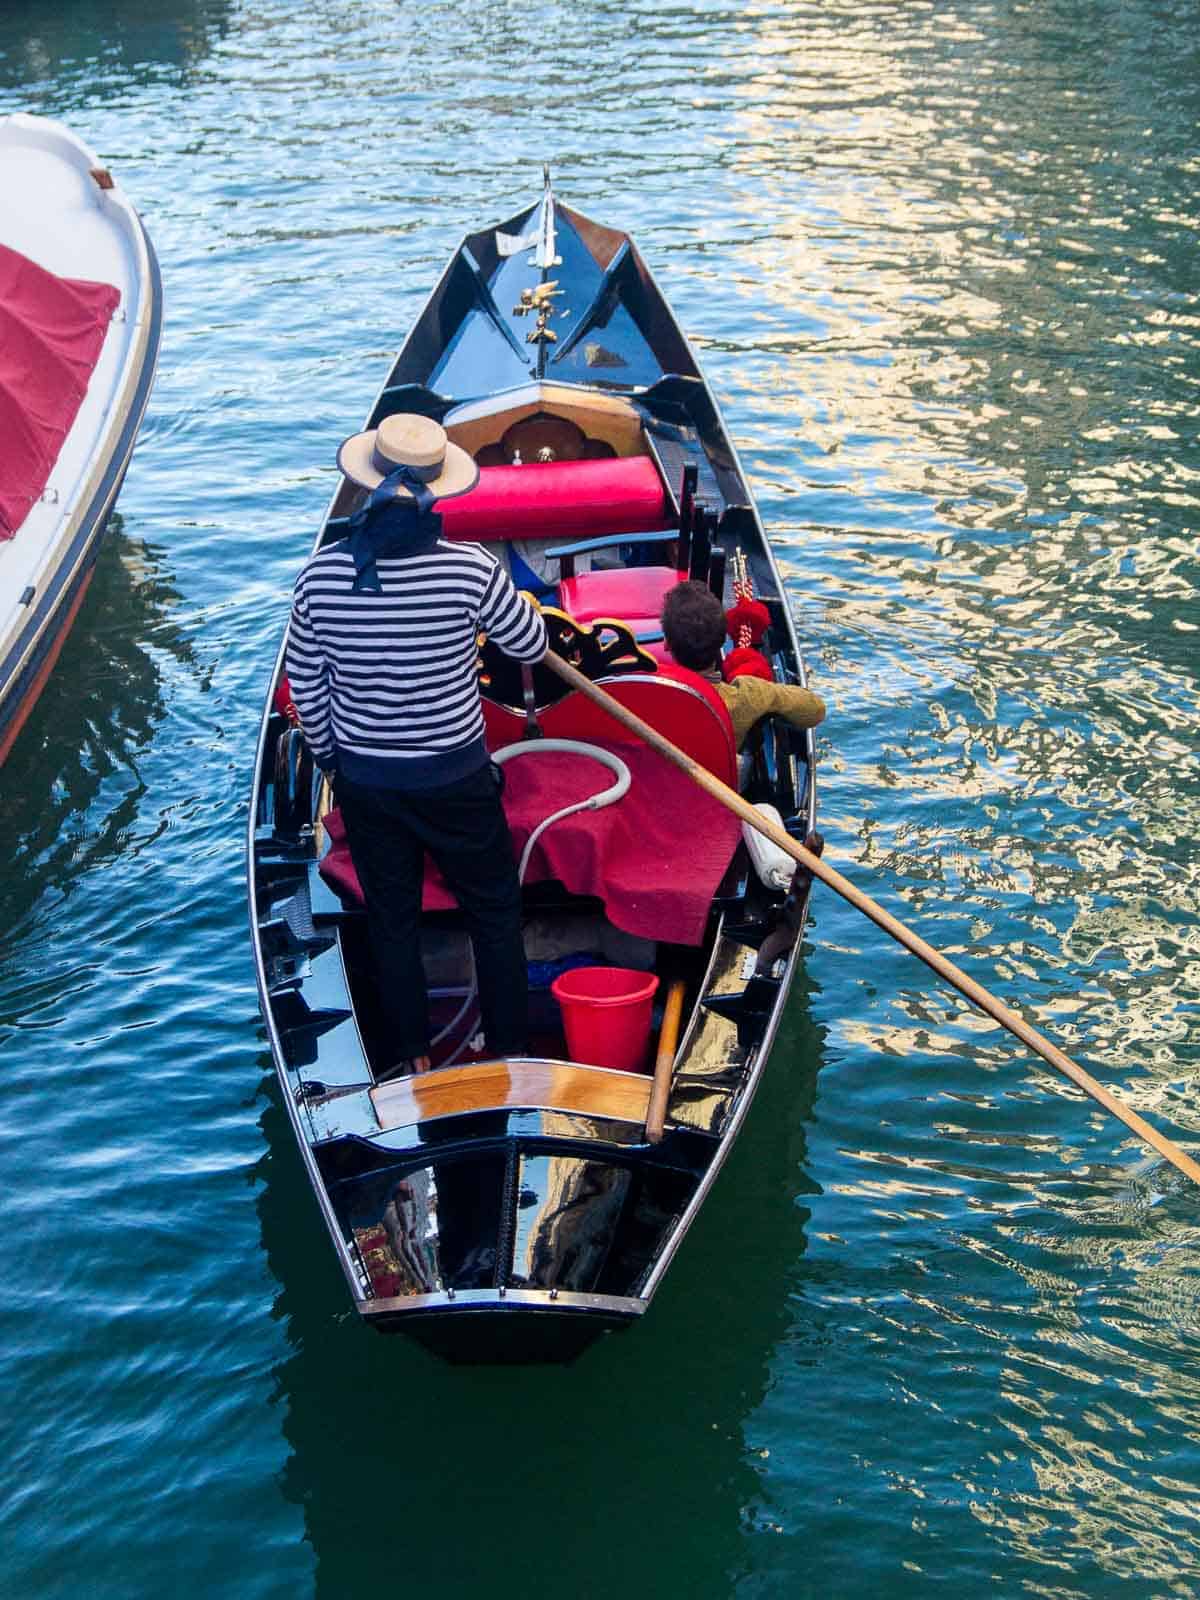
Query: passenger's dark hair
{"x": 693, "y": 626}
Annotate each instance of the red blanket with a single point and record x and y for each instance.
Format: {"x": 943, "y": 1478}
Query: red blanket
{"x": 655, "y": 857}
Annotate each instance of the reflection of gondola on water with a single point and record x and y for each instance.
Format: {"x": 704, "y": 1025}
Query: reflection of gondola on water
{"x": 516, "y": 1209}
{"x": 80, "y": 318}
{"x": 696, "y": 1387}
{"x": 97, "y": 714}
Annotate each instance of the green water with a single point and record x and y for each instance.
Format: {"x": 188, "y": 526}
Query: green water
{"x": 937, "y": 1329}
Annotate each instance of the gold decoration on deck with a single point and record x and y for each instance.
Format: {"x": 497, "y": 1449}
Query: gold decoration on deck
{"x": 541, "y": 334}
{"x": 600, "y": 649}
{"x": 537, "y": 300}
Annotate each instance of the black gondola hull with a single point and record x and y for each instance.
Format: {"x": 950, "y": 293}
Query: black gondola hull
{"x": 538, "y": 1336}
{"x": 518, "y": 1211}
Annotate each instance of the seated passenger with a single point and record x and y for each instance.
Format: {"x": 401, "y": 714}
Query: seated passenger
{"x": 693, "y": 626}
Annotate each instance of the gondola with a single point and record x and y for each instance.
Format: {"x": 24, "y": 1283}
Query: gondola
{"x": 517, "y": 1210}
{"x": 80, "y": 318}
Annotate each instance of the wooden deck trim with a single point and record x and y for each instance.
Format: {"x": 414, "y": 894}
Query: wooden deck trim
{"x": 492, "y": 1085}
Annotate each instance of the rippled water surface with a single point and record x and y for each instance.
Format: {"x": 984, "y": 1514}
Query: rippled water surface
{"x": 940, "y": 1322}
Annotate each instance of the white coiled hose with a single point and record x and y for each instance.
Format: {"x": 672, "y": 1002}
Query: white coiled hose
{"x": 594, "y": 802}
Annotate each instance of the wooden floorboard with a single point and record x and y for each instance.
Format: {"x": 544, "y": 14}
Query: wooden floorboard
{"x": 490, "y": 1085}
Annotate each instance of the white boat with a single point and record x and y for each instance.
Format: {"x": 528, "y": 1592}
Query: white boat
{"x": 80, "y": 318}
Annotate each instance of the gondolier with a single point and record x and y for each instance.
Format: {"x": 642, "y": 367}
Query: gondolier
{"x": 381, "y": 657}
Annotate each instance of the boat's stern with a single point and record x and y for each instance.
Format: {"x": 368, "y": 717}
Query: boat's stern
{"x": 505, "y": 1328}
{"x": 518, "y": 1233}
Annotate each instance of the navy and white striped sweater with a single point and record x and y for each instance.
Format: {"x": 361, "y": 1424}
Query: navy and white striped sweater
{"x": 386, "y": 684}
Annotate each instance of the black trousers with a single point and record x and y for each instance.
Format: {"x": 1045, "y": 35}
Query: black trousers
{"x": 464, "y": 829}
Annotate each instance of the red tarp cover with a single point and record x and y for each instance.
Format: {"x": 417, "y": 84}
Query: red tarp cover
{"x": 655, "y": 857}
{"x": 51, "y": 333}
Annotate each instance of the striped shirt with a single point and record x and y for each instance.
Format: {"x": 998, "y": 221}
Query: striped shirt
{"x": 387, "y": 684}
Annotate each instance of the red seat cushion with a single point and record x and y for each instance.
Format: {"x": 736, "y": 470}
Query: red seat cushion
{"x": 634, "y": 594}
{"x": 679, "y": 704}
{"x": 565, "y": 500}
{"x": 655, "y": 858}
{"x": 709, "y": 692}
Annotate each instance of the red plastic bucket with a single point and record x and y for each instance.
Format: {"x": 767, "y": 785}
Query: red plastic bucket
{"x": 606, "y": 1014}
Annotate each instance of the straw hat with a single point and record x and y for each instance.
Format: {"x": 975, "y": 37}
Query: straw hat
{"x": 409, "y": 441}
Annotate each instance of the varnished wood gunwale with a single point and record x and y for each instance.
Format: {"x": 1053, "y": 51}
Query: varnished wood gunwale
{"x": 495, "y": 1085}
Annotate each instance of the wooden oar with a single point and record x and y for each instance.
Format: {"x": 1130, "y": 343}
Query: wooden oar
{"x": 974, "y": 992}
{"x": 664, "y": 1061}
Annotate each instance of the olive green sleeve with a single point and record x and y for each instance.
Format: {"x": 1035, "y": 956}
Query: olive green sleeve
{"x": 748, "y": 699}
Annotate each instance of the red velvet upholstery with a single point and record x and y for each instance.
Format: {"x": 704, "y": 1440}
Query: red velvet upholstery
{"x": 633, "y": 594}
{"x": 676, "y": 703}
{"x": 708, "y": 691}
{"x": 657, "y": 856}
{"x": 565, "y": 500}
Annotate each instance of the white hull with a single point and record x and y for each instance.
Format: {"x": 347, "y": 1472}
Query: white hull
{"x": 57, "y": 214}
